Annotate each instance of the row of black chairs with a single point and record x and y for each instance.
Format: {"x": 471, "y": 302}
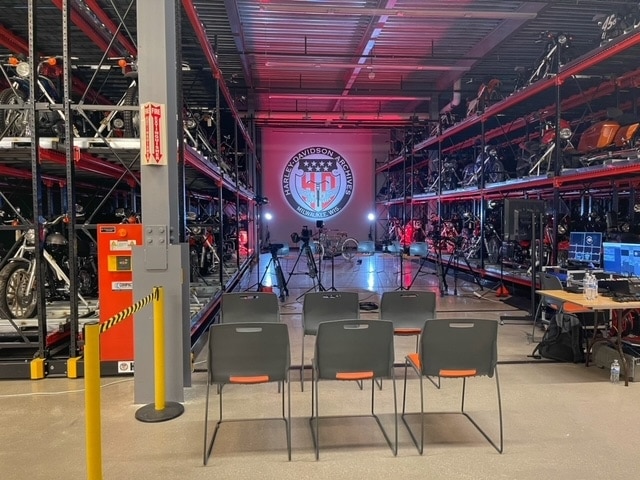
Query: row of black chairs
{"x": 249, "y": 346}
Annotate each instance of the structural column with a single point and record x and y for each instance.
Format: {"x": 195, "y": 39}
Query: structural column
{"x": 163, "y": 259}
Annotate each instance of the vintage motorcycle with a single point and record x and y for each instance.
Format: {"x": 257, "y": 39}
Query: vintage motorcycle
{"x": 618, "y": 136}
{"x": 202, "y": 250}
{"x": 19, "y": 276}
{"x": 556, "y": 52}
{"x": 539, "y": 154}
{"x": 488, "y": 94}
{"x": 617, "y": 23}
{"x": 486, "y": 164}
{"x": 14, "y": 122}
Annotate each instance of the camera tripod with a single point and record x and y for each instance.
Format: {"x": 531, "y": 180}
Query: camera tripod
{"x": 314, "y": 272}
{"x": 281, "y": 283}
{"x": 454, "y": 261}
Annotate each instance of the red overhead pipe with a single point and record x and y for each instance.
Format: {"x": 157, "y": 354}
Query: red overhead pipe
{"x": 198, "y": 28}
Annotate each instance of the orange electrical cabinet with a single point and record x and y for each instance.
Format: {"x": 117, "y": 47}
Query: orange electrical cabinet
{"x": 115, "y": 243}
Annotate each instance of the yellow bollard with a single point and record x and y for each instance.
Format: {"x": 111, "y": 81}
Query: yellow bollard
{"x": 158, "y": 348}
{"x": 92, "y": 401}
{"x": 160, "y": 410}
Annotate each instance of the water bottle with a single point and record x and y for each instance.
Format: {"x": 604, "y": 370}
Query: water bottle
{"x": 615, "y": 371}
{"x": 586, "y": 286}
{"x": 569, "y": 279}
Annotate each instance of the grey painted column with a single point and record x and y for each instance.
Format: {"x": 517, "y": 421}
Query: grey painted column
{"x": 160, "y": 260}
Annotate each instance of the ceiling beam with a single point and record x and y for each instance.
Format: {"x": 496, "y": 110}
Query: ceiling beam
{"x": 238, "y": 36}
{"x": 483, "y": 48}
{"x": 467, "y": 13}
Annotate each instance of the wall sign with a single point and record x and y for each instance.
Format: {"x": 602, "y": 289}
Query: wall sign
{"x": 317, "y": 182}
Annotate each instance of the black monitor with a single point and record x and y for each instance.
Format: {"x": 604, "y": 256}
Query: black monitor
{"x": 585, "y": 248}
{"x": 621, "y": 258}
{"x": 518, "y": 217}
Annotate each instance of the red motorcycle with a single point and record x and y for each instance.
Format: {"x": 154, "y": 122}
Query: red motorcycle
{"x": 618, "y": 136}
{"x": 541, "y": 152}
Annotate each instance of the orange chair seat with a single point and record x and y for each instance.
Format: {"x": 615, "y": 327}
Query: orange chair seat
{"x": 402, "y": 332}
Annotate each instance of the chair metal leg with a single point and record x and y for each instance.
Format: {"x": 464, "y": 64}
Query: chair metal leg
{"x": 419, "y": 446}
{"x": 209, "y": 447}
{"x": 499, "y": 449}
{"x": 302, "y": 366}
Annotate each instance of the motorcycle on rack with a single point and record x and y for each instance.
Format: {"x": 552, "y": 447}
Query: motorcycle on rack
{"x": 202, "y": 250}
{"x": 474, "y": 240}
{"x": 488, "y": 94}
{"x": 14, "y": 122}
{"x": 19, "y": 276}
{"x": 540, "y": 153}
{"x": 616, "y": 137}
{"x": 557, "y": 47}
{"x": 486, "y": 163}
{"x": 618, "y": 23}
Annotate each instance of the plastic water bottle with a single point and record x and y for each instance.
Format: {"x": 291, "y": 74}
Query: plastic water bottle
{"x": 615, "y": 371}
{"x": 569, "y": 279}
{"x": 586, "y": 286}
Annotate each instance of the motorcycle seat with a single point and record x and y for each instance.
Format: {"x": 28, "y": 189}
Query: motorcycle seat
{"x": 627, "y": 119}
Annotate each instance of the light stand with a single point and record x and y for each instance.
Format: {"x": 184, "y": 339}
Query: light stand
{"x": 267, "y": 241}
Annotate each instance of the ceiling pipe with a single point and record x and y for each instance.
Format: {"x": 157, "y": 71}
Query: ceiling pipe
{"x": 457, "y": 97}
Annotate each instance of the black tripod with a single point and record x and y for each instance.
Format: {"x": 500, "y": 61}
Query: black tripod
{"x": 454, "y": 261}
{"x": 281, "y": 283}
{"x": 311, "y": 265}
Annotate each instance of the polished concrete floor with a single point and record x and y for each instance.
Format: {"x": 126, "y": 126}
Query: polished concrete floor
{"x": 560, "y": 420}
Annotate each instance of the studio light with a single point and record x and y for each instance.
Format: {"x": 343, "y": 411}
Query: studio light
{"x": 268, "y": 216}
{"x": 371, "y": 217}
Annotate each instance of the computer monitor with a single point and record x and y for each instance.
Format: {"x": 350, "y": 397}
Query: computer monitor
{"x": 585, "y": 248}
{"x": 621, "y": 258}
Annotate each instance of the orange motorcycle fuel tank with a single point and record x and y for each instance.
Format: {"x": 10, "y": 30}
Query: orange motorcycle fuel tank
{"x": 625, "y": 135}
{"x": 598, "y": 136}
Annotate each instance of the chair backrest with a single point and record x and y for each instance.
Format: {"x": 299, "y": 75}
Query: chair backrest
{"x": 248, "y": 349}
{"x": 249, "y": 307}
{"x": 459, "y": 345}
{"x": 320, "y": 307}
{"x": 550, "y": 282}
{"x": 407, "y": 309}
{"x": 354, "y": 345}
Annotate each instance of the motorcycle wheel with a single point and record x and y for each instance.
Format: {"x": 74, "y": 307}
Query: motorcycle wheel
{"x": 14, "y": 299}
{"x": 349, "y": 248}
{"x": 496, "y": 172}
{"x": 87, "y": 282}
{"x": 16, "y": 122}
{"x": 131, "y": 118}
{"x": 493, "y": 250}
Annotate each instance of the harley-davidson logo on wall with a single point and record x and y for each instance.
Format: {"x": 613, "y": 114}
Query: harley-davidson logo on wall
{"x": 317, "y": 182}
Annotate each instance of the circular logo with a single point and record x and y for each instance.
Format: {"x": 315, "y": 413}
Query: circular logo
{"x": 317, "y": 182}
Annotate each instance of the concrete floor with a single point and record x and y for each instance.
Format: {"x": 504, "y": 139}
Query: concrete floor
{"x": 560, "y": 420}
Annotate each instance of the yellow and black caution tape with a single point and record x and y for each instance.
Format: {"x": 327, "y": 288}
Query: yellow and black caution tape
{"x": 120, "y": 316}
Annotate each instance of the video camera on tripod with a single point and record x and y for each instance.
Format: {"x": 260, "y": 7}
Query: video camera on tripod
{"x": 305, "y": 235}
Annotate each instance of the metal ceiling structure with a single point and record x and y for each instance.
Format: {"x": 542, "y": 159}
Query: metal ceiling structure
{"x": 319, "y": 63}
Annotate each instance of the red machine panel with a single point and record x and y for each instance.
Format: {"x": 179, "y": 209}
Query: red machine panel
{"x": 115, "y": 244}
